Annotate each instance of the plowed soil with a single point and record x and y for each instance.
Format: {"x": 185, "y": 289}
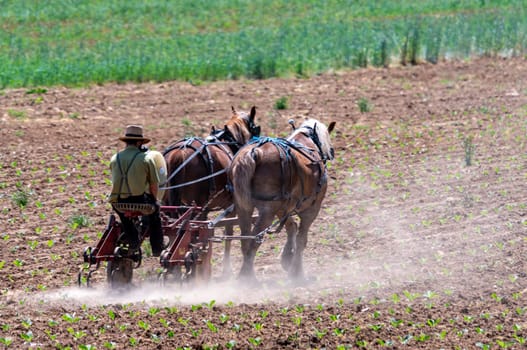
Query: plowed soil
{"x": 421, "y": 241}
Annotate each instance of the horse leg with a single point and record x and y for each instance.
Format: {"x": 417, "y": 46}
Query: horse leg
{"x": 244, "y": 222}
{"x": 227, "y": 266}
{"x": 287, "y": 252}
{"x": 250, "y": 246}
{"x": 296, "y": 270}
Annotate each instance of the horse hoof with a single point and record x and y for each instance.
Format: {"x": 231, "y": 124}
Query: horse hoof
{"x": 249, "y": 281}
{"x": 225, "y": 276}
{"x": 285, "y": 261}
{"x": 302, "y": 281}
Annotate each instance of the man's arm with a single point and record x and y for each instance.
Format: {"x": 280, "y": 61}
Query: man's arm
{"x": 153, "y": 179}
{"x": 154, "y": 188}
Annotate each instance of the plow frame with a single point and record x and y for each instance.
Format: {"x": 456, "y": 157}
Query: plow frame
{"x": 187, "y": 256}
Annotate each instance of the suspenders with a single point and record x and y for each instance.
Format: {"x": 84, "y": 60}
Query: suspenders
{"x": 124, "y": 175}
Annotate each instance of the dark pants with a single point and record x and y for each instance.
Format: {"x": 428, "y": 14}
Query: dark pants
{"x": 153, "y": 221}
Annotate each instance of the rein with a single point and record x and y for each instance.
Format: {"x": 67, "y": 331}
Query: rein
{"x": 224, "y": 134}
{"x": 192, "y": 156}
{"x": 219, "y": 172}
{"x": 182, "y": 165}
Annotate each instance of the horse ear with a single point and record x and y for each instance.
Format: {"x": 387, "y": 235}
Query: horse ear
{"x": 213, "y": 129}
{"x": 292, "y": 123}
{"x": 253, "y": 113}
{"x": 233, "y": 110}
{"x": 331, "y": 126}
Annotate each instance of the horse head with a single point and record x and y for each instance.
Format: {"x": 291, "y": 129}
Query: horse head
{"x": 249, "y": 120}
{"x": 238, "y": 130}
{"x": 319, "y": 133}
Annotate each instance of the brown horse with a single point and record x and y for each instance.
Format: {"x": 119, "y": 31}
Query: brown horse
{"x": 281, "y": 178}
{"x": 197, "y": 168}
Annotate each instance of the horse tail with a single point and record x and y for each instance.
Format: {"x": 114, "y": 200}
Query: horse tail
{"x": 241, "y": 174}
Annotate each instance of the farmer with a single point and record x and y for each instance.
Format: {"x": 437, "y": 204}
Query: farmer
{"x": 135, "y": 180}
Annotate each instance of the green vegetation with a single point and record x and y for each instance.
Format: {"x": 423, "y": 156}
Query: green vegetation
{"x": 364, "y": 105}
{"x": 469, "y": 148}
{"x": 21, "y": 198}
{"x": 82, "y": 42}
{"x": 281, "y": 103}
{"x": 79, "y": 220}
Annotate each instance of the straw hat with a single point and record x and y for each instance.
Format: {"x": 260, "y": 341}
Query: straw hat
{"x": 134, "y": 133}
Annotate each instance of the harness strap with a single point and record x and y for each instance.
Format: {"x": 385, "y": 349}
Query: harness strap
{"x": 188, "y": 144}
{"x": 314, "y": 137}
{"x": 208, "y": 161}
{"x": 302, "y": 181}
{"x": 210, "y": 165}
{"x": 284, "y": 149}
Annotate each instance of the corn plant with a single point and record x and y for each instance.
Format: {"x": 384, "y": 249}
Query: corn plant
{"x": 231, "y": 344}
{"x": 6, "y": 341}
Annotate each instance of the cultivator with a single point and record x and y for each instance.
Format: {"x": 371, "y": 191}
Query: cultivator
{"x": 187, "y": 256}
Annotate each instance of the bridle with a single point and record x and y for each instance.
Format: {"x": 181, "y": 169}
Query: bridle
{"x": 313, "y": 135}
{"x": 225, "y": 136}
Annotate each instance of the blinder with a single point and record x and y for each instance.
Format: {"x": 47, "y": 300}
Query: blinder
{"x": 255, "y": 130}
{"x": 216, "y": 134}
{"x": 313, "y": 135}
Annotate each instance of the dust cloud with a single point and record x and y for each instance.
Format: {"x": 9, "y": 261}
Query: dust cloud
{"x": 172, "y": 294}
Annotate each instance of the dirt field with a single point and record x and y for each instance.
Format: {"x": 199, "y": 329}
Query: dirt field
{"x": 413, "y": 248}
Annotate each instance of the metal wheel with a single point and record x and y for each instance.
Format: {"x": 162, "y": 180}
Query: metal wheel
{"x": 171, "y": 274}
{"x": 191, "y": 265}
{"x": 119, "y": 272}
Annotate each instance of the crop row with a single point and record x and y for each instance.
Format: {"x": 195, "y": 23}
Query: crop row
{"x": 298, "y": 325}
{"x": 70, "y": 48}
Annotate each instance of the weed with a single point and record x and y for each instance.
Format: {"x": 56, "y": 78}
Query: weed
{"x": 468, "y": 147}
{"x": 281, "y": 103}
{"x": 364, "y": 105}
{"x": 79, "y": 220}
{"x": 19, "y": 115}
{"x": 37, "y": 90}
{"x": 21, "y": 198}
{"x": 187, "y": 125}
